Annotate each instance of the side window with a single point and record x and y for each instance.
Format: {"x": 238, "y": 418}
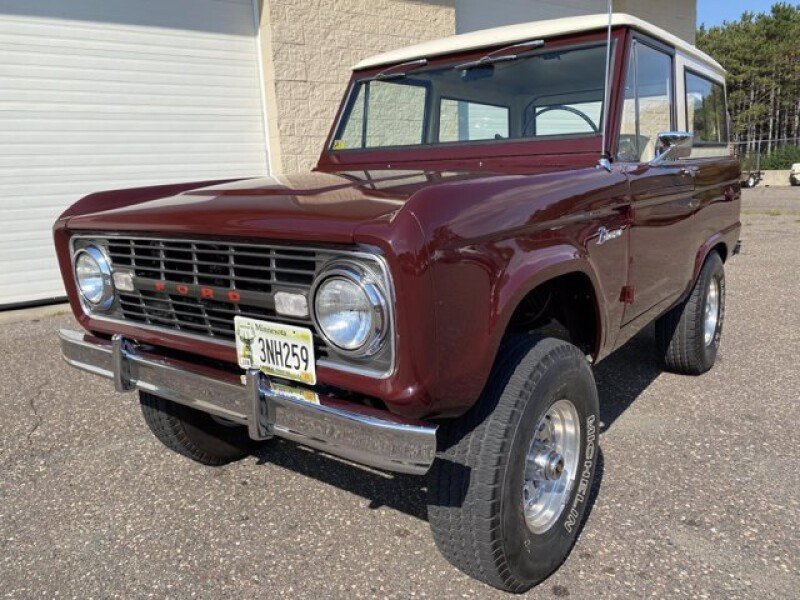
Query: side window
{"x": 462, "y": 121}
{"x": 353, "y": 134}
{"x": 706, "y": 115}
{"x": 396, "y": 114}
{"x": 647, "y": 107}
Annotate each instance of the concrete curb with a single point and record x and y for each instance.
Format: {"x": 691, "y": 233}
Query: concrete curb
{"x": 36, "y": 312}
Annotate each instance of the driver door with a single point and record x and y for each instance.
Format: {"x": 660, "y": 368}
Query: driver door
{"x": 661, "y": 256}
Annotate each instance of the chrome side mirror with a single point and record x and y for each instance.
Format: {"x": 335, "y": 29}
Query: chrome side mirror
{"x": 672, "y": 145}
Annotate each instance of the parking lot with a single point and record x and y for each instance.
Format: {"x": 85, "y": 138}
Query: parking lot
{"x": 696, "y": 494}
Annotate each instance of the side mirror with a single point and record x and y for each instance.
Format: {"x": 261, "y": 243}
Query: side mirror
{"x": 672, "y": 145}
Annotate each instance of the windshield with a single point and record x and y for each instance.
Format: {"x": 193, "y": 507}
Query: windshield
{"x": 550, "y": 93}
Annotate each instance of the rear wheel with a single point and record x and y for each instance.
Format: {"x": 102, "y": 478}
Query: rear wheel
{"x": 194, "y": 434}
{"x": 509, "y": 490}
{"x": 688, "y": 336}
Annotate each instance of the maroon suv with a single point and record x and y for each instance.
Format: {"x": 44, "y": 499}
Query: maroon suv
{"x": 491, "y": 215}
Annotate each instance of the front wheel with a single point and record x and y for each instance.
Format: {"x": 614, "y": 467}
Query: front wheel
{"x": 194, "y": 434}
{"x": 509, "y": 489}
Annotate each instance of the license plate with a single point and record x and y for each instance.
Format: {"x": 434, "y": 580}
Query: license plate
{"x": 276, "y": 349}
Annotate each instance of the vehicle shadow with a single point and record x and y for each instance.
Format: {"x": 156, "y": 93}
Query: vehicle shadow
{"x": 621, "y": 378}
{"x": 405, "y": 493}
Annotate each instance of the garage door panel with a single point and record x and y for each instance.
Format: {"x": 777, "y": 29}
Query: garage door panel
{"x": 98, "y": 95}
{"x": 19, "y": 97}
{"x": 128, "y": 150}
{"x": 26, "y": 264}
{"x": 68, "y": 85}
{"x": 25, "y": 175}
{"x": 203, "y": 80}
{"x": 186, "y": 157}
{"x": 188, "y": 16}
{"x": 157, "y": 63}
{"x": 52, "y": 31}
{"x": 120, "y": 122}
{"x": 150, "y": 108}
{"x": 133, "y": 136}
{"x": 36, "y": 285}
{"x": 173, "y": 43}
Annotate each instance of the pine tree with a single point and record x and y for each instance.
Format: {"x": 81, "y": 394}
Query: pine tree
{"x": 762, "y": 56}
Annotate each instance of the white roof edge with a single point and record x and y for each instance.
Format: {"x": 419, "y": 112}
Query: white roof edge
{"x": 511, "y": 34}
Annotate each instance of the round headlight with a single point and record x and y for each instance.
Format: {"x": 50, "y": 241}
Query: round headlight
{"x": 93, "y": 274}
{"x": 350, "y": 310}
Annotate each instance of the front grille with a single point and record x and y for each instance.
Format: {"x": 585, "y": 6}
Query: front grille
{"x": 254, "y": 273}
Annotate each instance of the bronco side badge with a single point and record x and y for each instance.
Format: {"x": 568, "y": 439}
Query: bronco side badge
{"x": 604, "y": 235}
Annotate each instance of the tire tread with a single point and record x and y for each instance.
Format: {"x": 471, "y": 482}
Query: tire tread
{"x": 165, "y": 420}
{"x": 470, "y": 535}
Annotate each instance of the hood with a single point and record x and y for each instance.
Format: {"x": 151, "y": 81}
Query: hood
{"x": 315, "y": 206}
{"x": 309, "y": 206}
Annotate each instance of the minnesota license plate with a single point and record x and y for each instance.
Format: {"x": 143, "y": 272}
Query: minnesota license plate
{"x": 276, "y": 349}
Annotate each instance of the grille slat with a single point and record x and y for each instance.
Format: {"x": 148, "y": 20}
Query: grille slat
{"x": 255, "y": 272}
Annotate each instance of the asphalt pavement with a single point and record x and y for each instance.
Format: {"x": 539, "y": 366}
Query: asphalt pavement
{"x": 696, "y": 493}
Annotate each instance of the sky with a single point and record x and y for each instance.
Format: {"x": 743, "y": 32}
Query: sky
{"x": 714, "y": 12}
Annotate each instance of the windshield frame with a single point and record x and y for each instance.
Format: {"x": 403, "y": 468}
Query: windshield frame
{"x": 581, "y": 142}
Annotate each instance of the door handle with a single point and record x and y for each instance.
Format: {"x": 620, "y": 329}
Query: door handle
{"x": 693, "y": 202}
{"x": 692, "y": 171}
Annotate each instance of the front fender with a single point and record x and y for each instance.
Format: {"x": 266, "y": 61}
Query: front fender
{"x": 478, "y": 290}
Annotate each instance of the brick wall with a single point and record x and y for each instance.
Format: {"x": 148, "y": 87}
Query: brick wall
{"x": 308, "y": 47}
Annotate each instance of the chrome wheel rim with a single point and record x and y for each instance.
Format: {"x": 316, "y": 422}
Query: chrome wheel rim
{"x": 711, "y": 316}
{"x": 551, "y": 466}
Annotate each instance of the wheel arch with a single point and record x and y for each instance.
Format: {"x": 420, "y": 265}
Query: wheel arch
{"x": 567, "y": 273}
{"x": 716, "y": 243}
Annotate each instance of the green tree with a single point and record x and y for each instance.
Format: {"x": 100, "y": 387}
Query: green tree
{"x": 762, "y": 56}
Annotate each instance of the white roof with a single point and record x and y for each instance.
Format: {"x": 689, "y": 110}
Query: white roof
{"x": 512, "y": 34}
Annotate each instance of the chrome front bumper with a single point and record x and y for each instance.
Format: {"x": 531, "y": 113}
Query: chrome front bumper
{"x": 359, "y": 433}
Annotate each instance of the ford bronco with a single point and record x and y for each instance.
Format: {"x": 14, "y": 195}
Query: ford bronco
{"x": 491, "y": 215}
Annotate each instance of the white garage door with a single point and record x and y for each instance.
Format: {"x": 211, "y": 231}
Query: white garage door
{"x": 105, "y": 94}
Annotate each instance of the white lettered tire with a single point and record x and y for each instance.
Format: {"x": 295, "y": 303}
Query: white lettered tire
{"x": 488, "y": 489}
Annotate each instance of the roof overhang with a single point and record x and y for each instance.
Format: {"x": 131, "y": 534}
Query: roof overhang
{"x": 521, "y": 32}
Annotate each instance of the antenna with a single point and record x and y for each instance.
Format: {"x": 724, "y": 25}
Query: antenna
{"x": 605, "y": 156}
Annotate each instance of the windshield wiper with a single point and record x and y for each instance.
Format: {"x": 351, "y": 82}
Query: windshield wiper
{"x": 492, "y": 57}
{"x": 403, "y": 69}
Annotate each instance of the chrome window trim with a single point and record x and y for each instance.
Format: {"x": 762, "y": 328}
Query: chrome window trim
{"x": 366, "y": 253}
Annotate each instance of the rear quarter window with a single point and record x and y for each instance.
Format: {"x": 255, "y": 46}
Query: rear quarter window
{"x": 706, "y": 114}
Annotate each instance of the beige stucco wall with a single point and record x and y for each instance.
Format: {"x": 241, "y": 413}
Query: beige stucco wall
{"x": 308, "y": 47}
